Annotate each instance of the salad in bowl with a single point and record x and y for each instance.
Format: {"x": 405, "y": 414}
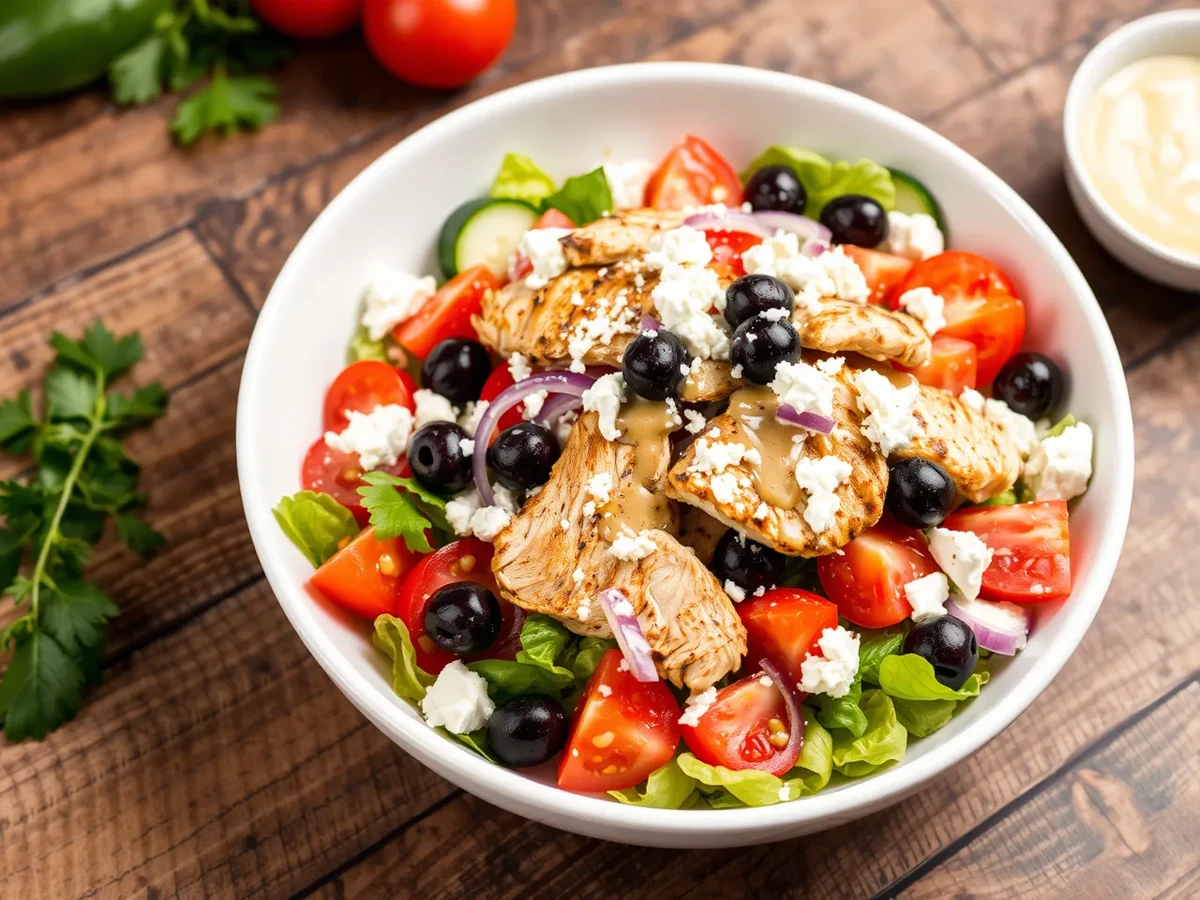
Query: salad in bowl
{"x": 705, "y": 488}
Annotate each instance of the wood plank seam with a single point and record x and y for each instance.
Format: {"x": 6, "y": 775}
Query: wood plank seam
{"x": 219, "y": 263}
{"x": 1081, "y": 754}
{"x": 947, "y": 15}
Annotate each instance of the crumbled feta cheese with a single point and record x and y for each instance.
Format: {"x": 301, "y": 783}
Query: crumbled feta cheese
{"x": 433, "y": 407}
{"x": 459, "y": 511}
{"x": 627, "y": 181}
{"x": 379, "y": 438}
{"x": 695, "y": 421}
{"x": 533, "y": 403}
{"x": 736, "y": 371}
{"x": 830, "y": 275}
{"x": 1018, "y": 427}
{"x": 821, "y": 478}
{"x": 604, "y": 690}
{"x": 962, "y": 556}
{"x": 712, "y": 457}
{"x": 915, "y": 236}
{"x": 890, "y": 423}
{"x": 544, "y": 250}
{"x": 584, "y": 610}
{"x": 831, "y": 365}
{"x": 697, "y": 705}
{"x": 972, "y": 399}
{"x": 518, "y": 367}
{"x": 736, "y": 592}
{"x": 774, "y": 314}
{"x": 1060, "y": 466}
{"x": 833, "y": 671}
{"x": 760, "y": 512}
{"x": 609, "y": 317}
{"x": 724, "y": 487}
{"x": 632, "y": 547}
{"x": 577, "y": 576}
{"x": 678, "y": 246}
{"x": 468, "y": 448}
{"x": 489, "y": 521}
{"x": 394, "y": 297}
{"x": 784, "y": 793}
{"x": 927, "y": 596}
{"x": 457, "y": 700}
{"x": 923, "y": 304}
{"x": 803, "y": 387}
{"x": 760, "y": 590}
{"x": 683, "y": 297}
{"x": 471, "y": 415}
{"x": 468, "y": 516}
{"x": 605, "y": 398}
{"x": 673, "y": 417}
{"x": 600, "y": 486}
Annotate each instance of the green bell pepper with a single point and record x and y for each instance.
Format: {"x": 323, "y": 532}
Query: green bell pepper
{"x": 53, "y": 46}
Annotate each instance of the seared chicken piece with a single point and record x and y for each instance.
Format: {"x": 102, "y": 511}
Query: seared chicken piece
{"x": 712, "y": 380}
{"x": 763, "y": 500}
{"x": 623, "y": 235}
{"x": 874, "y": 331}
{"x": 976, "y": 452}
{"x": 700, "y": 532}
{"x": 553, "y": 558}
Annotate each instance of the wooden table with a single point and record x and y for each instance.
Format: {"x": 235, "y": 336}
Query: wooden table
{"x": 218, "y": 760}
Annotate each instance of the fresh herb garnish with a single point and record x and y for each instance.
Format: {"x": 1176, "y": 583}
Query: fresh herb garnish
{"x": 82, "y": 478}
{"x": 400, "y": 507}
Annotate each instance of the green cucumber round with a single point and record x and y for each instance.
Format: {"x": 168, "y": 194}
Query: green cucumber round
{"x": 914, "y": 197}
{"x": 483, "y": 231}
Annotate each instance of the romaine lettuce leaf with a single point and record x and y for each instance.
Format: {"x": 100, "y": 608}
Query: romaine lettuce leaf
{"x": 668, "y": 787}
{"x": 1060, "y": 426}
{"x": 842, "y": 712}
{"x": 315, "y": 523}
{"x": 911, "y": 677}
{"x": 409, "y": 680}
{"x": 520, "y": 178}
{"x": 1004, "y": 498}
{"x": 883, "y": 742}
{"x": 362, "y": 347}
{"x": 583, "y": 198}
{"x": 923, "y": 717}
{"x": 872, "y": 650}
{"x": 825, "y": 180}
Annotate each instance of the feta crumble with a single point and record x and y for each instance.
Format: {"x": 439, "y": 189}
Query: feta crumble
{"x": 379, "y": 438}
{"x": 833, "y": 671}
{"x": 927, "y": 596}
{"x": 915, "y": 236}
{"x": 600, "y": 486}
{"x": 604, "y": 398}
{"x": 678, "y": 246}
{"x": 1059, "y": 467}
{"x": 627, "y": 181}
{"x": 760, "y": 511}
{"x": 803, "y": 387}
{"x": 890, "y": 423}
{"x": 608, "y": 318}
{"x": 432, "y": 407}
{"x": 468, "y": 516}
{"x": 682, "y": 298}
{"x": 468, "y": 447}
{"x": 831, "y": 275}
{"x": 736, "y": 592}
{"x": 471, "y": 415}
{"x": 697, "y": 705}
{"x": 394, "y": 297}
{"x": 604, "y": 690}
{"x": 724, "y": 487}
{"x": 695, "y": 421}
{"x": 820, "y": 479}
{"x": 632, "y": 547}
{"x": 544, "y": 250}
{"x": 962, "y": 556}
{"x": 533, "y": 403}
{"x": 518, "y": 366}
{"x": 457, "y": 700}
{"x": 713, "y": 457}
{"x": 924, "y": 305}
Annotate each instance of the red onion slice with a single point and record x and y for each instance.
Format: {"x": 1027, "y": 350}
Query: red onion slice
{"x": 555, "y": 408}
{"x": 556, "y": 382}
{"x": 999, "y": 627}
{"x": 814, "y": 247}
{"x": 789, "y": 415}
{"x": 774, "y": 220}
{"x": 795, "y": 715}
{"x": 730, "y": 220}
{"x": 625, "y": 628}
{"x": 649, "y": 323}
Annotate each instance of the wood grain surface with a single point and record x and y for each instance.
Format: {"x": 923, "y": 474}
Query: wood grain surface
{"x": 217, "y": 760}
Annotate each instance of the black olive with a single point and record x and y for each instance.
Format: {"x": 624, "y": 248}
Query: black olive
{"x": 457, "y": 369}
{"x": 760, "y": 344}
{"x": 855, "y": 219}
{"x": 527, "y": 730}
{"x": 776, "y": 188}
{"x": 651, "y": 365}
{"x": 437, "y": 459}
{"x": 949, "y": 645}
{"x": 1031, "y": 384}
{"x": 747, "y": 564}
{"x": 753, "y": 294}
{"x": 522, "y": 456}
{"x": 920, "y": 492}
{"x": 463, "y": 617}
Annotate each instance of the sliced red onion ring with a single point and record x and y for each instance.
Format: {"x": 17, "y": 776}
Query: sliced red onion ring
{"x": 999, "y": 627}
{"x": 556, "y": 407}
{"x": 792, "y": 702}
{"x": 814, "y": 247}
{"x": 789, "y": 415}
{"x": 649, "y": 323}
{"x": 775, "y": 220}
{"x": 625, "y": 628}
{"x": 730, "y": 220}
{"x": 574, "y": 383}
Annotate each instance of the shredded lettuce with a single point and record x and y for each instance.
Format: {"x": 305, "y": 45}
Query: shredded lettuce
{"x": 409, "y": 680}
{"x": 520, "y": 178}
{"x": 883, "y": 741}
{"x": 911, "y": 677}
{"x": 825, "y": 180}
{"x": 668, "y": 787}
{"x": 316, "y": 523}
{"x": 583, "y": 198}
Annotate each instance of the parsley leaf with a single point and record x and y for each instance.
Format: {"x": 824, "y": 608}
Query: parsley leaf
{"x": 138, "y": 536}
{"x": 17, "y": 423}
{"x": 137, "y": 74}
{"x": 99, "y": 350}
{"x": 145, "y": 403}
{"x": 76, "y": 613}
{"x": 70, "y": 394}
{"x": 10, "y": 559}
{"x": 227, "y": 104}
{"x": 42, "y": 688}
{"x": 394, "y": 512}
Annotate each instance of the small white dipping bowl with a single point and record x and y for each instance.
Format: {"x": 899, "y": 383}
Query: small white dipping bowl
{"x": 1166, "y": 33}
{"x": 390, "y": 215}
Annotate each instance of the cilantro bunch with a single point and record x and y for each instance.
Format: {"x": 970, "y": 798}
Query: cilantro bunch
{"x": 219, "y": 39}
{"x": 81, "y": 479}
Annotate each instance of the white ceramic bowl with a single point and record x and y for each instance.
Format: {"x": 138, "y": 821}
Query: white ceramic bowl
{"x": 1167, "y": 33}
{"x": 390, "y": 215}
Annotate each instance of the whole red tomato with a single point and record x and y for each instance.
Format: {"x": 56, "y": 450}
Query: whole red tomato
{"x": 309, "y": 19}
{"x": 438, "y": 43}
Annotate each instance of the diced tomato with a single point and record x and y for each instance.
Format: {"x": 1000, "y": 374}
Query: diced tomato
{"x": 469, "y": 559}
{"x": 728, "y": 247}
{"x": 867, "y": 579}
{"x": 622, "y": 731}
{"x": 339, "y": 475}
{"x": 361, "y": 387}
{"x": 883, "y": 271}
{"x": 981, "y": 305}
{"x": 520, "y": 266}
{"x": 448, "y": 313}
{"x": 1031, "y": 542}
{"x": 499, "y": 381}
{"x": 365, "y": 576}
{"x": 744, "y": 727}
{"x": 783, "y": 625}
{"x": 693, "y": 174}
{"x": 952, "y": 366}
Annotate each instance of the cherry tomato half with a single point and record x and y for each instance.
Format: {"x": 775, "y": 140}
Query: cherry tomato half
{"x": 339, "y": 475}
{"x": 693, "y": 174}
{"x": 728, "y": 247}
{"x": 365, "y": 576}
{"x": 744, "y": 727}
{"x": 883, "y": 271}
{"x": 783, "y": 625}
{"x": 448, "y": 313}
{"x": 361, "y": 387}
{"x": 1032, "y": 549}
{"x": 952, "y": 366}
{"x": 309, "y": 19}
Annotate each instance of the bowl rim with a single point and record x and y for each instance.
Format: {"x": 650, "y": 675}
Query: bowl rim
{"x": 1073, "y": 108}
{"x": 847, "y": 802}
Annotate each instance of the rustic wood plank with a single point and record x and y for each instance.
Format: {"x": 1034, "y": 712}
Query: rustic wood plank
{"x": 1121, "y": 822}
{"x": 28, "y": 123}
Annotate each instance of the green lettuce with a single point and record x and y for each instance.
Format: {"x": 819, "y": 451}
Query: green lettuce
{"x": 536, "y": 670}
{"x": 409, "y": 680}
{"x": 843, "y": 712}
{"x": 884, "y": 740}
{"x": 825, "y": 180}
{"x": 520, "y": 178}
{"x": 873, "y": 650}
{"x": 1004, "y": 498}
{"x": 1061, "y": 425}
{"x": 583, "y": 198}
{"x": 316, "y": 523}
{"x": 362, "y": 347}
{"x": 923, "y": 717}
{"x": 476, "y": 740}
{"x": 910, "y": 677}
{"x": 668, "y": 787}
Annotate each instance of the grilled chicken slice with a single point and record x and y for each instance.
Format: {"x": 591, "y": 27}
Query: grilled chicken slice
{"x": 981, "y": 458}
{"x": 540, "y": 565}
{"x": 711, "y": 381}
{"x": 623, "y": 235}
{"x": 752, "y": 513}
{"x": 874, "y": 331}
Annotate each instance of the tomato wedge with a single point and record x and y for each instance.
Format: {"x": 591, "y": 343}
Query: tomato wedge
{"x": 362, "y": 386}
{"x": 448, "y": 312}
{"x": 738, "y": 729}
{"x": 339, "y": 475}
{"x": 622, "y": 730}
{"x": 883, "y": 271}
{"x": 693, "y": 174}
{"x": 469, "y": 559}
{"x": 953, "y": 366}
{"x": 867, "y": 579}
{"x": 783, "y": 625}
{"x": 364, "y": 577}
{"x": 728, "y": 247}
{"x": 1032, "y": 549}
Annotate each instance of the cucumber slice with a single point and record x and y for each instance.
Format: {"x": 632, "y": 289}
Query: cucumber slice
{"x": 484, "y": 231}
{"x": 912, "y": 197}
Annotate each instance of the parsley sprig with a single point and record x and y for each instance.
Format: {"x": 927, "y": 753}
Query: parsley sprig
{"x": 82, "y": 478}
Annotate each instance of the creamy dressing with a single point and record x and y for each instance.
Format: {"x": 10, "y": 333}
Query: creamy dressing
{"x": 638, "y": 506}
{"x": 1140, "y": 142}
